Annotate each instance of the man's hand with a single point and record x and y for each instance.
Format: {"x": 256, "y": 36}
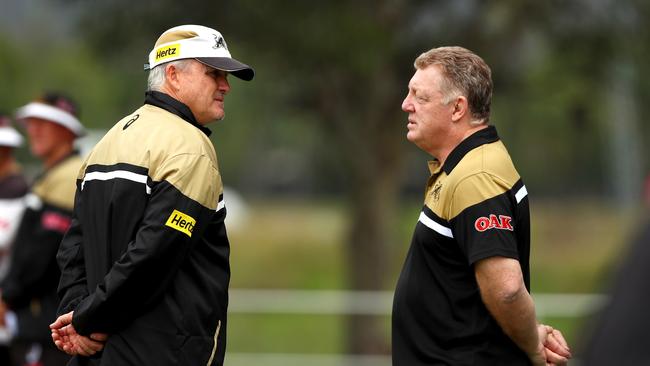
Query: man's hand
{"x": 539, "y": 357}
{"x": 556, "y": 348}
{"x": 67, "y": 339}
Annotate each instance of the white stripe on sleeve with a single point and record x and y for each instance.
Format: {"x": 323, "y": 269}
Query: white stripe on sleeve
{"x": 521, "y": 193}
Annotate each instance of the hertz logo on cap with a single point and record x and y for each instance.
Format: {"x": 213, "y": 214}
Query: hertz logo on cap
{"x": 181, "y": 222}
{"x": 168, "y": 51}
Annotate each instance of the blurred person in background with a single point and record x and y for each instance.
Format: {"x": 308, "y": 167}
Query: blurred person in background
{"x": 619, "y": 334}
{"x": 146, "y": 260}
{"x": 29, "y": 289}
{"x": 463, "y": 294}
{"x": 13, "y": 188}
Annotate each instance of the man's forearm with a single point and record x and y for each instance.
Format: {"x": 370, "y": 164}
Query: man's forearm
{"x": 505, "y": 295}
{"x": 515, "y": 313}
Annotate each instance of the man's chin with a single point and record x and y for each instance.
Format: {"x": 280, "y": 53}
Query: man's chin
{"x": 37, "y": 153}
{"x": 217, "y": 118}
{"x": 219, "y": 114}
{"x": 410, "y": 136}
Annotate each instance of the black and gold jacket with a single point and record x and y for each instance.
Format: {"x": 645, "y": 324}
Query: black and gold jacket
{"x": 30, "y": 286}
{"x": 147, "y": 257}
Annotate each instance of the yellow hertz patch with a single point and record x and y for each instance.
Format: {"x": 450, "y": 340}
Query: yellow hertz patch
{"x": 168, "y": 51}
{"x": 181, "y": 222}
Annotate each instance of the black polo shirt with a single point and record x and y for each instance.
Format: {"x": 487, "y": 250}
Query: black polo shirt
{"x": 475, "y": 207}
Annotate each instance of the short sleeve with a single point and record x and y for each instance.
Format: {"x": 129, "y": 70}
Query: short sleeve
{"x": 484, "y": 225}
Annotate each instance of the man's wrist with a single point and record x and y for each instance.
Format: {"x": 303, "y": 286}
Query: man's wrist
{"x": 537, "y": 356}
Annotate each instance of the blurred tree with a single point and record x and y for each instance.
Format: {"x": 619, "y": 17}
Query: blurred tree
{"x": 345, "y": 65}
{"x": 349, "y": 67}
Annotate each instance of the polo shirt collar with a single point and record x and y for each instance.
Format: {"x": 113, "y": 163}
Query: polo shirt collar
{"x": 478, "y": 138}
{"x": 173, "y": 106}
{"x": 434, "y": 167}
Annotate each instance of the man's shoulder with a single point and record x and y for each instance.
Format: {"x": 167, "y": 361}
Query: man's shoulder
{"x": 489, "y": 160}
{"x": 149, "y": 136}
{"x": 57, "y": 186}
{"x": 484, "y": 173}
{"x": 168, "y": 131}
{"x": 63, "y": 173}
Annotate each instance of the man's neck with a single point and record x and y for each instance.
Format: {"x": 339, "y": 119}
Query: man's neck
{"x": 57, "y": 155}
{"x": 7, "y": 166}
{"x": 170, "y": 91}
{"x": 454, "y": 139}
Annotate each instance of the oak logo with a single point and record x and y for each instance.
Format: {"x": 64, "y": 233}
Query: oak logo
{"x": 168, "y": 51}
{"x": 181, "y": 222}
{"x": 501, "y": 222}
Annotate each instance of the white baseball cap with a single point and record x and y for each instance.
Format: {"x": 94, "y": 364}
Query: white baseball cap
{"x": 204, "y": 44}
{"x": 8, "y": 135}
{"x": 55, "y": 108}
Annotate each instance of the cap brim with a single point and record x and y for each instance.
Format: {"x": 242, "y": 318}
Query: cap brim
{"x": 239, "y": 69}
{"x": 51, "y": 114}
{"x": 10, "y": 137}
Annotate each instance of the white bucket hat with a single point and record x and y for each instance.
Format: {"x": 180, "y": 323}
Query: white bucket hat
{"x": 204, "y": 44}
{"x": 55, "y": 108}
{"x": 8, "y": 135}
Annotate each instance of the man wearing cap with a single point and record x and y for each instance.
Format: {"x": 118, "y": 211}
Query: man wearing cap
{"x": 13, "y": 188}
{"x": 29, "y": 290}
{"x": 146, "y": 260}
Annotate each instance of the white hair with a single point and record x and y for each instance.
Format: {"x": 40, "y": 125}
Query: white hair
{"x": 157, "y": 76}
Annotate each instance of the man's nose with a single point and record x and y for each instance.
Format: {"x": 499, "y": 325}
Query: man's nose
{"x": 407, "y": 106}
{"x": 223, "y": 85}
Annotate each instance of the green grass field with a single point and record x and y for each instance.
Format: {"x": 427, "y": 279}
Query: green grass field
{"x": 299, "y": 245}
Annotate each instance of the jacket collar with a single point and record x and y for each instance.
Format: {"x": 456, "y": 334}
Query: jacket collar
{"x": 478, "y": 138}
{"x": 173, "y": 106}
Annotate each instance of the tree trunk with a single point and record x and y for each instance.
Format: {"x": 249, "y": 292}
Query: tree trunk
{"x": 371, "y": 233}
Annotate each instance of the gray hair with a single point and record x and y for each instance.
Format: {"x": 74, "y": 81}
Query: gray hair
{"x": 157, "y": 76}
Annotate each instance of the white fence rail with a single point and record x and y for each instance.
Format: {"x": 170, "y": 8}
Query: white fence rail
{"x": 342, "y": 302}
{"x": 292, "y": 359}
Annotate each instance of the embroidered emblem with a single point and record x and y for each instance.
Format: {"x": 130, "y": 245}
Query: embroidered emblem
{"x": 219, "y": 42}
{"x": 436, "y": 191}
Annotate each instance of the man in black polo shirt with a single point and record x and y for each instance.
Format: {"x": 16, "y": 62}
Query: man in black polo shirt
{"x": 463, "y": 295}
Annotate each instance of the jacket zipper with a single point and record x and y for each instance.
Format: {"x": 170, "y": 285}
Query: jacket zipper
{"x": 214, "y": 348}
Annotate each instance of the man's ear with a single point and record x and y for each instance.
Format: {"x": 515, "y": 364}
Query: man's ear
{"x": 461, "y": 108}
{"x": 172, "y": 76}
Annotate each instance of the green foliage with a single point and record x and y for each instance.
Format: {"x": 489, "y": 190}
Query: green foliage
{"x": 65, "y": 67}
{"x": 332, "y": 74}
{"x": 553, "y": 123}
